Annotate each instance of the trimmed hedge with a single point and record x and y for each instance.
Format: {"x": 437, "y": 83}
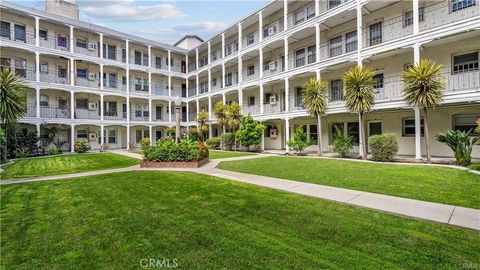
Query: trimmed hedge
{"x": 213, "y": 143}
{"x": 383, "y": 147}
{"x": 168, "y": 150}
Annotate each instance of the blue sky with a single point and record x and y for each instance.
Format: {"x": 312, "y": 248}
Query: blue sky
{"x": 164, "y": 21}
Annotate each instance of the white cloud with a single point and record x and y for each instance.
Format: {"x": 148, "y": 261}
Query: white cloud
{"x": 127, "y": 10}
{"x": 207, "y": 26}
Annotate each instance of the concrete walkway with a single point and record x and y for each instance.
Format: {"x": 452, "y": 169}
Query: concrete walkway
{"x": 437, "y": 212}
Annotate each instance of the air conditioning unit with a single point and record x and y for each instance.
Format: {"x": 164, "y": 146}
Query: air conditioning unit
{"x": 92, "y": 106}
{"x": 91, "y": 46}
{"x": 92, "y": 76}
{"x": 92, "y": 136}
{"x": 273, "y": 133}
{"x": 272, "y": 65}
{"x": 273, "y": 100}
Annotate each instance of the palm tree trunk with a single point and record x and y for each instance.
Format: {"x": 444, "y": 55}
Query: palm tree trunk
{"x": 6, "y": 141}
{"x": 427, "y": 140}
{"x": 319, "y": 134}
{"x": 361, "y": 134}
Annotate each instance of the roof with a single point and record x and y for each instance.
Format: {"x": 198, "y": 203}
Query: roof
{"x": 188, "y": 36}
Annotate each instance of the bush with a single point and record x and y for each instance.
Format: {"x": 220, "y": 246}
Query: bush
{"x": 145, "y": 143}
{"x": 193, "y": 134}
{"x": 300, "y": 140}
{"x": 21, "y": 142}
{"x": 168, "y": 150}
{"x": 383, "y": 147}
{"x": 228, "y": 141}
{"x": 170, "y": 132}
{"x": 53, "y": 151}
{"x": 342, "y": 143}
{"x": 213, "y": 143}
{"x": 250, "y": 132}
{"x": 461, "y": 144}
{"x": 81, "y": 146}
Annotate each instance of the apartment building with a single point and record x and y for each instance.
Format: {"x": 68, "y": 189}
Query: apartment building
{"x": 110, "y": 87}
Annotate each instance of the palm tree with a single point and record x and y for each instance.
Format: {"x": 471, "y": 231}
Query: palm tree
{"x": 234, "y": 117}
{"x": 12, "y": 100}
{"x": 360, "y": 97}
{"x": 422, "y": 87}
{"x": 315, "y": 100}
{"x": 202, "y": 119}
{"x": 219, "y": 109}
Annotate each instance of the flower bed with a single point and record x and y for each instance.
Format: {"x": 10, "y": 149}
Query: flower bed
{"x": 167, "y": 153}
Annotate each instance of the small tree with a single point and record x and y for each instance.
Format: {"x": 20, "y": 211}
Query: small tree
{"x": 300, "y": 140}
{"x": 250, "y": 132}
{"x": 202, "y": 119}
{"x": 234, "y": 117}
{"x": 384, "y": 147}
{"x": 360, "y": 97}
{"x": 422, "y": 87}
{"x": 220, "y": 111}
{"x": 315, "y": 99}
{"x": 342, "y": 142}
{"x": 461, "y": 144}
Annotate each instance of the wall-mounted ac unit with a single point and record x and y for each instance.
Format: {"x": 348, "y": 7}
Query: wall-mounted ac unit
{"x": 273, "y": 133}
{"x": 273, "y": 100}
{"x": 92, "y": 136}
{"x": 91, "y": 46}
{"x": 92, "y": 76}
{"x": 92, "y": 106}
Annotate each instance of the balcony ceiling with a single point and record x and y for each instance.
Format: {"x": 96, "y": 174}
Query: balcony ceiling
{"x": 373, "y": 6}
{"x": 342, "y": 18}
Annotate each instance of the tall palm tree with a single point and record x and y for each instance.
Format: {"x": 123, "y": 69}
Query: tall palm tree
{"x": 220, "y": 111}
{"x": 234, "y": 118}
{"x": 422, "y": 87}
{"x": 315, "y": 100}
{"x": 202, "y": 119}
{"x": 12, "y": 100}
{"x": 360, "y": 97}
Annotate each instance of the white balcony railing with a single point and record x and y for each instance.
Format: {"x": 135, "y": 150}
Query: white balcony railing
{"x": 93, "y": 114}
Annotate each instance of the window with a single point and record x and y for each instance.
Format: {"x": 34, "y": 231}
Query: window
{"x": 351, "y": 41}
{"x": 374, "y": 128}
{"x": 20, "y": 33}
{"x": 81, "y": 73}
{"x": 145, "y": 59}
{"x": 112, "y": 138}
{"x": 82, "y": 103}
{"x": 250, "y": 38}
{"x": 375, "y": 33}
{"x": 336, "y": 90}
{"x": 354, "y": 131}
{"x": 310, "y": 12}
{"x": 110, "y": 51}
{"x": 81, "y": 43}
{"x": 461, "y": 4}
{"x": 62, "y": 72}
{"x": 378, "y": 81}
{"x": 82, "y": 134}
{"x": 300, "y": 58}
{"x": 409, "y": 127}
{"x": 251, "y": 101}
{"x": 124, "y": 80}
{"x": 335, "y": 46}
{"x": 313, "y": 132}
{"x": 299, "y": 17}
{"x": 334, "y": 128}
{"x": 214, "y": 82}
{"x": 62, "y": 103}
{"x": 298, "y": 97}
{"x": 138, "y": 136}
{"x": 124, "y": 56}
{"x": 138, "y": 58}
{"x": 158, "y": 62}
{"x": 43, "y": 34}
{"x": 43, "y": 67}
{"x": 465, "y": 62}
{"x": 267, "y": 98}
{"x": 251, "y": 71}
{"x": 5, "y": 63}
{"x": 408, "y": 17}
{"x": 465, "y": 122}
{"x": 61, "y": 42}
{"x": 5, "y": 29}
{"x": 311, "y": 54}
{"x": 334, "y": 3}
{"x": 44, "y": 100}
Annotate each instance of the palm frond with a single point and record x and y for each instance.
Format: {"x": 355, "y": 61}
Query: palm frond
{"x": 12, "y": 97}
{"x": 219, "y": 110}
{"x": 234, "y": 115}
{"x": 315, "y": 96}
{"x": 360, "y": 95}
{"x": 202, "y": 119}
{"x": 422, "y": 85}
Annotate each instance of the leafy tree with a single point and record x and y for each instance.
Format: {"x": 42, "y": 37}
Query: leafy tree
{"x": 300, "y": 140}
{"x": 250, "y": 132}
{"x": 315, "y": 99}
{"x": 360, "y": 97}
{"x": 220, "y": 112}
{"x": 202, "y": 119}
{"x": 461, "y": 144}
{"x": 342, "y": 142}
{"x": 12, "y": 100}
{"x": 423, "y": 88}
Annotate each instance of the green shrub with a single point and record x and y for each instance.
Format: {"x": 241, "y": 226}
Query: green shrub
{"x": 342, "y": 143}
{"x": 228, "y": 141}
{"x": 170, "y": 132}
{"x": 145, "y": 143}
{"x": 250, "y": 132}
{"x": 193, "y": 134}
{"x": 213, "y": 143}
{"x": 168, "y": 150}
{"x": 53, "y": 151}
{"x": 383, "y": 147}
{"x": 81, "y": 146}
{"x": 300, "y": 140}
{"x": 461, "y": 144}
{"x": 475, "y": 166}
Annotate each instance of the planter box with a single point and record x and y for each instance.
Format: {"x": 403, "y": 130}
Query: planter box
{"x": 173, "y": 164}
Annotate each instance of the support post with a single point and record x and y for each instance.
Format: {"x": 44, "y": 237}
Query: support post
{"x": 359, "y": 33}
{"x": 260, "y": 66}
{"x": 418, "y": 132}
{"x": 101, "y": 76}
{"x": 415, "y": 17}
{"x": 37, "y": 32}
{"x": 71, "y": 39}
{"x": 37, "y": 67}
{"x": 260, "y": 26}
{"x": 37, "y": 94}
{"x": 150, "y": 135}
{"x": 285, "y": 14}
{"x": 261, "y": 99}
{"x": 72, "y": 138}
{"x": 72, "y": 71}
{"x": 102, "y": 134}
{"x": 101, "y": 45}
{"x": 72, "y": 105}
{"x": 285, "y": 52}
{"x": 287, "y": 95}
{"x": 317, "y": 41}
{"x": 101, "y": 107}
{"x": 287, "y": 134}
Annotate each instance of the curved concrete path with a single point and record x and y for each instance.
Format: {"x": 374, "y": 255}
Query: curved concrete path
{"x": 437, "y": 212}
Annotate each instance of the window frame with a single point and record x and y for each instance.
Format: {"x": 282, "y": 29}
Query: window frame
{"x": 475, "y": 64}
{"x": 474, "y": 125}
{"x": 422, "y": 127}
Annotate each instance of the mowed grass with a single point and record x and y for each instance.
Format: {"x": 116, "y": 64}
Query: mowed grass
{"x": 215, "y": 154}
{"x": 65, "y": 164}
{"x": 435, "y": 184}
{"x": 114, "y": 221}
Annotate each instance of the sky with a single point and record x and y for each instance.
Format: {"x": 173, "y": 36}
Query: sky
{"x": 163, "y": 21}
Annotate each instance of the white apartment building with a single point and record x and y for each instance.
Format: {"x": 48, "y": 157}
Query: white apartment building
{"x": 114, "y": 88}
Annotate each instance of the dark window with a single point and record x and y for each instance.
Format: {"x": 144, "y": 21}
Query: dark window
{"x": 251, "y": 70}
{"x": 336, "y": 90}
{"x": 112, "y": 138}
{"x": 81, "y": 73}
{"x": 138, "y": 58}
{"x": 465, "y": 122}
{"x": 461, "y": 4}
{"x": 353, "y": 130}
{"x": 351, "y": 41}
{"x": 81, "y": 43}
{"x": 334, "y": 128}
{"x": 250, "y": 38}
{"x": 378, "y": 81}
{"x": 313, "y": 132}
{"x": 300, "y": 58}
{"x": 333, "y": 3}
{"x": 375, "y": 33}
{"x": 465, "y": 62}
{"x": 298, "y": 97}
{"x": 311, "y": 54}
{"x": 5, "y": 29}
{"x": 335, "y": 46}
{"x": 251, "y": 101}
{"x": 62, "y": 73}
{"x": 43, "y": 34}
{"x": 409, "y": 127}
{"x": 408, "y": 17}
{"x": 374, "y": 128}
{"x": 82, "y": 103}
{"x": 158, "y": 62}
{"x": 20, "y": 33}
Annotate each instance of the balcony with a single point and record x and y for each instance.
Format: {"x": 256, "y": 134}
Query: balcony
{"x": 216, "y": 55}
{"x": 192, "y": 117}
{"x": 114, "y": 54}
{"x": 249, "y": 40}
{"x": 339, "y": 45}
{"x": 90, "y": 49}
{"x": 251, "y": 74}
{"x": 115, "y": 85}
{"x": 215, "y": 86}
{"x": 87, "y": 82}
{"x": 231, "y": 48}
{"x": 159, "y": 89}
{"x": 192, "y": 91}
{"x": 251, "y": 109}
{"x": 31, "y": 110}
{"x": 300, "y": 59}
{"x": 114, "y": 115}
{"x": 20, "y": 36}
{"x": 177, "y": 92}
{"x": 54, "y": 111}
{"x": 139, "y": 86}
{"x": 273, "y": 67}
{"x": 28, "y": 73}
{"x": 296, "y": 103}
{"x": 273, "y": 29}
{"x": 137, "y": 115}
{"x": 301, "y": 15}
{"x": 81, "y": 113}
{"x": 59, "y": 76}
{"x": 160, "y": 116}
{"x": 192, "y": 67}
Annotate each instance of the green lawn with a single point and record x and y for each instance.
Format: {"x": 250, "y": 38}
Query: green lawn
{"x": 114, "y": 221}
{"x": 213, "y": 154}
{"x": 65, "y": 164}
{"x": 475, "y": 166}
{"x": 443, "y": 185}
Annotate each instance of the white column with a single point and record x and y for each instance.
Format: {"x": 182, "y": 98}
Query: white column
{"x": 71, "y": 39}
{"x": 170, "y": 110}
{"x": 149, "y": 56}
{"x": 285, "y": 14}
{"x": 209, "y": 80}
{"x": 188, "y": 112}
{"x": 186, "y": 64}
{"x": 240, "y": 69}
{"x": 127, "y": 71}
{"x": 240, "y": 96}
{"x": 149, "y": 82}
{"x": 37, "y": 94}
{"x": 223, "y": 75}
{"x": 210, "y": 131}
{"x": 317, "y": 8}
{"x": 260, "y": 26}
{"x": 169, "y": 60}
{"x": 37, "y": 33}
{"x": 287, "y": 94}
{"x": 317, "y": 41}
{"x": 261, "y": 98}
{"x": 101, "y": 45}
{"x": 72, "y": 71}
{"x": 223, "y": 45}
{"x": 101, "y": 107}
{"x": 418, "y": 130}
{"x": 37, "y": 66}
{"x": 317, "y": 74}
{"x": 102, "y": 134}
{"x": 240, "y": 36}
{"x": 198, "y": 105}
{"x": 150, "y": 135}
{"x": 128, "y": 136}
{"x": 150, "y": 110}
{"x": 224, "y": 98}
{"x": 186, "y": 86}
{"x": 210, "y": 107}
{"x": 198, "y": 85}
{"x": 169, "y": 85}
{"x": 262, "y": 145}
{"x": 415, "y": 17}
{"x": 72, "y": 137}
{"x": 196, "y": 58}
{"x": 209, "y": 51}
{"x": 260, "y": 67}
{"x": 359, "y": 32}
{"x": 101, "y": 76}
{"x": 38, "y": 129}
{"x": 287, "y": 134}
{"x": 72, "y": 105}
{"x": 285, "y": 52}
